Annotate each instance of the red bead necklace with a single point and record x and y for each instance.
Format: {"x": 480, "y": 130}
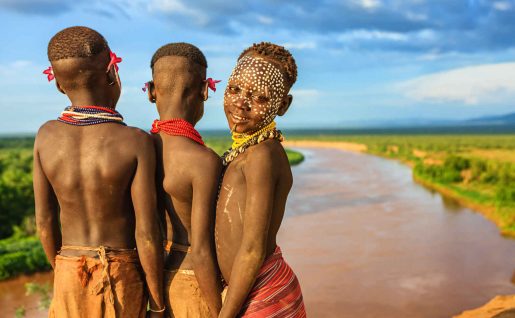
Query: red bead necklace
{"x": 177, "y": 127}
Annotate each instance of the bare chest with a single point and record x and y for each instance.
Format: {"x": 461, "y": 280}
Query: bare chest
{"x": 232, "y": 198}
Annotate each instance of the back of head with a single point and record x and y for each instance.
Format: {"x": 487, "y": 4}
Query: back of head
{"x": 277, "y": 55}
{"x": 192, "y": 53}
{"x": 178, "y": 66}
{"x": 79, "y": 57}
{"x": 179, "y": 73}
{"x": 77, "y": 41}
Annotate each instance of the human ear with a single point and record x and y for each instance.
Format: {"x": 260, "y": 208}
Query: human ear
{"x": 111, "y": 76}
{"x": 285, "y": 104}
{"x": 59, "y": 88}
{"x": 205, "y": 90}
{"x": 151, "y": 92}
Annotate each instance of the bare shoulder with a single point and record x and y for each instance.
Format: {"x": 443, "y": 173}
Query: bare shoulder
{"x": 138, "y": 138}
{"x": 209, "y": 162}
{"x": 47, "y": 128}
{"x": 268, "y": 152}
{"x": 45, "y": 131}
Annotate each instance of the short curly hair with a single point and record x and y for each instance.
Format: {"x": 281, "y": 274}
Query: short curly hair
{"x": 278, "y": 54}
{"x": 187, "y": 50}
{"x": 77, "y": 41}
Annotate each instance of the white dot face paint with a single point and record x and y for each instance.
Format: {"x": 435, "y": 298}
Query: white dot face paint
{"x": 253, "y": 95}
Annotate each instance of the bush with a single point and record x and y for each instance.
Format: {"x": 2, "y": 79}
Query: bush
{"x": 442, "y": 174}
{"x": 21, "y": 255}
{"x": 505, "y": 195}
{"x": 294, "y": 157}
{"x": 456, "y": 163}
{"x": 16, "y": 192}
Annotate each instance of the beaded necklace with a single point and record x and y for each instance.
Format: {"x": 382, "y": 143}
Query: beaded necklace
{"x": 242, "y": 141}
{"x": 177, "y": 127}
{"x": 239, "y": 139}
{"x": 90, "y": 115}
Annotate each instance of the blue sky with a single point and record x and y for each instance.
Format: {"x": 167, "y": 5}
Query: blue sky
{"x": 360, "y": 61}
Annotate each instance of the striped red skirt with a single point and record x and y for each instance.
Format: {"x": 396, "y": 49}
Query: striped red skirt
{"x": 276, "y": 292}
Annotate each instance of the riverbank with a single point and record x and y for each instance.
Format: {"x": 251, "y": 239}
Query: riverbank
{"x": 499, "y": 307}
{"x": 503, "y": 306}
{"x": 480, "y": 199}
{"x": 348, "y": 146}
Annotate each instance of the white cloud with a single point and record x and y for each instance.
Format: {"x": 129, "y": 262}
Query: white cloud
{"x": 15, "y": 66}
{"x": 305, "y": 97}
{"x": 265, "y": 20}
{"x": 417, "y": 17}
{"x": 489, "y": 83}
{"x": 368, "y": 4}
{"x": 176, "y": 6}
{"x": 305, "y": 92}
{"x": 502, "y": 5}
{"x": 357, "y": 35}
{"x": 300, "y": 45}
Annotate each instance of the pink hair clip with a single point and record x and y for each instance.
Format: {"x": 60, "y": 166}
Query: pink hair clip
{"x": 114, "y": 61}
{"x": 145, "y": 87}
{"x": 49, "y": 73}
{"x": 211, "y": 83}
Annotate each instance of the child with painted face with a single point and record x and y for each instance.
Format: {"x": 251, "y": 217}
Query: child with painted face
{"x": 189, "y": 174}
{"x": 255, "y": 187}
{"x": 94, "y": 189}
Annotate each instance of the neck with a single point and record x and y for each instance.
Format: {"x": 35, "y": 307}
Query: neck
{"x": 240, "y": 139}
{"x": 175, "y": 109}
{"x": 89, "y": 99}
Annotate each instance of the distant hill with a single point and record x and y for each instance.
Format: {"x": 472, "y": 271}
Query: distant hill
{"x": 501, "y": 124}
{"x": 508, "y": 119}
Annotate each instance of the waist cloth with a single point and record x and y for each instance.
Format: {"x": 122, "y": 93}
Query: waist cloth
{"x": 170, "y": 246}
{"x": 109, "y": 285}
{"x": 276, "y": 292}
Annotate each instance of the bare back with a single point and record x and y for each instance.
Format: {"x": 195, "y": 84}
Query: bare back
{"x": 231, "y": 219}
{"x": 91, "y": 169}
{"x": 186, "y": 166}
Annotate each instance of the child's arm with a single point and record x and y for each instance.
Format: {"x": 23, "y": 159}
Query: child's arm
{"x": 205, "y": 189}
{"x": 148, "y": 236}
{"x": 260, "y": 180}
{"x": 47, "y": 215}
{"x": 160, "y": 192}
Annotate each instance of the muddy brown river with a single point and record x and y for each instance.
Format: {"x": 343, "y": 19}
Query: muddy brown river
{"x": 367, "y": 241}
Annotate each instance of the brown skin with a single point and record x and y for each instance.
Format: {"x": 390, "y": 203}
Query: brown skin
{"x": 252, "y": 200}
{"x": 97, "y": 181}
{"x": 189, "y": 172}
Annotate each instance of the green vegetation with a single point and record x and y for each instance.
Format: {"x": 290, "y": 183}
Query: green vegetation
{"x": 20, "y": 249}
{"x": 21, "y": 254}
{"x": 221, "y": 144}
{"x": 294, "y": 157}
{"x": 17, "y": 198}
{"x": 478, "y": 170}
{"x": 42, "y": 291}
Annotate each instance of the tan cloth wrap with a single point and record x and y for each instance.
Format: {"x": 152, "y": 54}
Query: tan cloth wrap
{"x": 110, "y": 286}
{"x": 183, "y": 297}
